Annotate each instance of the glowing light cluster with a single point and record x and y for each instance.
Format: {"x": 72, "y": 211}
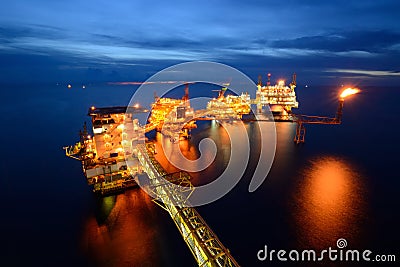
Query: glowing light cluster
{"x": 349, "y": 91}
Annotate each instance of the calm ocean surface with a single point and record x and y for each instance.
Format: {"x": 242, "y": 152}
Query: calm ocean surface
{"x": 343, "y": 183}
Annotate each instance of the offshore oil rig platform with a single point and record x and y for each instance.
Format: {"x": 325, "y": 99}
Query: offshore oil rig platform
{"x": 116, "y": 153}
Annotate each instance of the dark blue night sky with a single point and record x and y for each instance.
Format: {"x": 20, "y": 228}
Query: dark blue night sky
{"x": 328, "y": 42}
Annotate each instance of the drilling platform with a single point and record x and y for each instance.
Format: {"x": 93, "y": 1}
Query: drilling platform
{"x": 117, "y": 153}
{"x": 279, "y": 97}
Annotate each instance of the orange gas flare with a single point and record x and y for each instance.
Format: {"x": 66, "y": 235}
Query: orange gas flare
{"x": 349, "y": 91}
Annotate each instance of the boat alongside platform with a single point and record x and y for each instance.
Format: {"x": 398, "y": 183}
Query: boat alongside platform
{"x": 103, "y": 155}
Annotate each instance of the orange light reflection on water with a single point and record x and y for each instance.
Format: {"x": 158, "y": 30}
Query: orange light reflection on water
{"x": 129, "y": 236}
{"x": 167, "y": 153}
{"x": 330, "y": 203}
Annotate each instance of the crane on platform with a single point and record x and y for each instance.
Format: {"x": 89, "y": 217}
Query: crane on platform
{"x": 301, "y": 120}
{"x": 186, "y": 95}
{"x": 294, "y": 83}
{"x": 221, "y": 92}
{"x": 269, "y": 79}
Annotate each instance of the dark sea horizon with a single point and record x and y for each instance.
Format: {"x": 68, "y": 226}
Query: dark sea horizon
{"x": 342, "y": 183}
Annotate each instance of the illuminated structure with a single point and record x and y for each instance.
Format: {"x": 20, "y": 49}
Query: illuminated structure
{"x": 103, "y": 154}
{"x": 230, "y": 106}
{"x": 204, "y": 244}
{"x": 280, "y": 97}
{"x": 175, "y": 112}
{"x": 116, "y": 142}
{"x": 175, "y": 118}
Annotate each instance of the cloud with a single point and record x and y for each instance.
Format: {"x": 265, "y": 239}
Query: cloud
{"x": 305, "y": 36}
{"x": 377, "y": 41}
{"x": 376, "y": 73}
{"x": 210, "y": 40}
{"x": 8, "y": 33}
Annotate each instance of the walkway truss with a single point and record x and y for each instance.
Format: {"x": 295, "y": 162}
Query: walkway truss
{"x": 205, "y": 246}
